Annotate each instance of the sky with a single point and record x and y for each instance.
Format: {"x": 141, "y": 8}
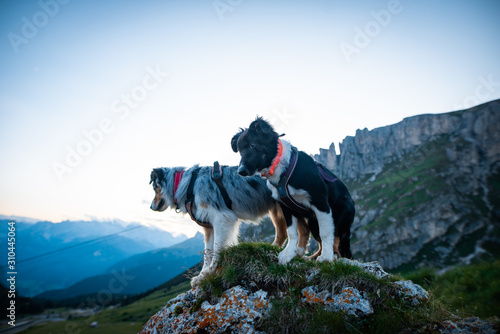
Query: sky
{"x": 94, "y": 94}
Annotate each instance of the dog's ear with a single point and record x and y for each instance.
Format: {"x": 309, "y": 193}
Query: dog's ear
{"x": 234, "y": 141}
{"x": 153, "y": 176}
{"x": 157, "y": 175}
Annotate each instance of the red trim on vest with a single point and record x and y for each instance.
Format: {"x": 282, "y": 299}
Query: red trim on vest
{"x": 177, "y": 180}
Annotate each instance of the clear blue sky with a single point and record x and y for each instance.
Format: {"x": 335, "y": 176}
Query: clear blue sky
{"x": 132, "y": 85}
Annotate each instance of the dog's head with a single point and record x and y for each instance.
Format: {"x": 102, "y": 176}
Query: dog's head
{"x": 258, "y": 145}
{"x": 160, "y": 202}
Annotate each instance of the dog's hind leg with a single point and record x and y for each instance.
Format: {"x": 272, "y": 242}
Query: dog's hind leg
{"x": 279, "y": 223}
{"x": 290, "y": 251}
{"x": 343, "y": 222}
{"x": 326, "y": 233}
{"x": 336, "y": 244}
{"x": 313, "y": 226}
{"x": 304, "y": 231}
{"x": 345, "y": 247}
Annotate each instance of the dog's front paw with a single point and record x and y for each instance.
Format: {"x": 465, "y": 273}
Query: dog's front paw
{"x": 326, "y": 258}
{"x": 286, "y": 256}
{"x": 322, "y": 258}
{"x": 195, "y": 281}
{"x": 301, "y": 251}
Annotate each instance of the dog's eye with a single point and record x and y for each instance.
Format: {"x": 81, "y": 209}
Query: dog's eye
{"x": 252, "y": 145}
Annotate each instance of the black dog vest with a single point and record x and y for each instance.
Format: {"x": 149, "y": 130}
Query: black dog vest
{"x": 282, "y": 186}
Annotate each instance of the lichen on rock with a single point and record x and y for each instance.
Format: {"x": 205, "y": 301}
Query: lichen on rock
{"x": 236, "y": 311}
{"x": 412, "y": 292}
{"x": 348, "y": 301}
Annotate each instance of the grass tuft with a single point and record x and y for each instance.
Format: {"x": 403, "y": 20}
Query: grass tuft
{"x": 466, "y": 290}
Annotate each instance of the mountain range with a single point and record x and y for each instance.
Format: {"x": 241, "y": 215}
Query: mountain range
{"x": 138, "y": 273}
{"x": 57, "y": 255}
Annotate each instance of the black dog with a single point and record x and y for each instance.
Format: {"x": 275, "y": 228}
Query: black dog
{"x": 304, "y": 188}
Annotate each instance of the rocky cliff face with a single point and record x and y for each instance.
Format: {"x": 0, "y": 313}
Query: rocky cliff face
{"x": 369, "y": 151}
{"x": 427, "y": 189}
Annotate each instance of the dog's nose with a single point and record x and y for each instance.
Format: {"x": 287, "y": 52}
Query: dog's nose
{"x": 243, "y": 171}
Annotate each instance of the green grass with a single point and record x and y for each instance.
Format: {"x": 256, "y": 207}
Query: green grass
{"x": 472, "y": 290}
{"x": 127, "y": 319}
{"x": 82, "y": 326}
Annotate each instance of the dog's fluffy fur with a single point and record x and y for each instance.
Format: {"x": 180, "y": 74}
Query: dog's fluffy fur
{"x": 250, "y": 197}
{"x": 330, "y": 202}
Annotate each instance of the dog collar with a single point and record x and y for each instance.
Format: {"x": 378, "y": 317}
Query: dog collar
{"x": 275, "y": 161}
{"x": 177, "y": 180}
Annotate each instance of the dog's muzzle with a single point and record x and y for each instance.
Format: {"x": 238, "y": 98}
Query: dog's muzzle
{"x": 159, "y": 206}
{"x": 243, "y": 171}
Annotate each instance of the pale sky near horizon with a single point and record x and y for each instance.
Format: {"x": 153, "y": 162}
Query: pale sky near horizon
{"x": 94, "y": 94}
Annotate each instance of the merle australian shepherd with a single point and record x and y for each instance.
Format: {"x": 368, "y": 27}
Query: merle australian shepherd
{"x": 250, "y": 197}
{"x": 322, "y": 198}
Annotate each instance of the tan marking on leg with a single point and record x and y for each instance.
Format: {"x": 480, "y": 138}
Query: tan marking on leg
{"x": 336, "y": 244}
{"x": 204, "y": 205}
{"x": 208, "y": 233}
{"x": 304, "y": 232}
{"x": 279, "y": 223}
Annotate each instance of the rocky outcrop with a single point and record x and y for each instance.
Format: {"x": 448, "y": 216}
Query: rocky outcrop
{"x": 246, "y": 305}
{"x": 252, "y": 293}
{"x": 236, "y": 311}
{"x": 427, "y": 189}
{"x": 329, "y": 157}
